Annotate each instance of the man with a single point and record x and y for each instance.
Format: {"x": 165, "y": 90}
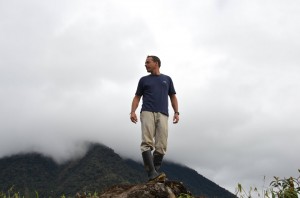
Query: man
{"x": 155, "y": 89}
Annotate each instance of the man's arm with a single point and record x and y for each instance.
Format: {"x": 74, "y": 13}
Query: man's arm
{"x": 174, "y": 103}
{"x": 134, "y": 106}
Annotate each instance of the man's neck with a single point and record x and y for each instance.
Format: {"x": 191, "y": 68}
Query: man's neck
{"x": 156, "y": 73}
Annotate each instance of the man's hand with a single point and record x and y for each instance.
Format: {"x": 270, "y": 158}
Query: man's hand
{"x": 175, "y": 118}
{"x": 133, "y": 117}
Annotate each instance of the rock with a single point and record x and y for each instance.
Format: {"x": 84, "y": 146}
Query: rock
{"x": 168, "y": 189}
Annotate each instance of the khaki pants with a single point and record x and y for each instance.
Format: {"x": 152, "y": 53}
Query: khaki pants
{"x": 154, "y": 131}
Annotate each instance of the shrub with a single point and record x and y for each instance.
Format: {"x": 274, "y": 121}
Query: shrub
{"x": 279, "y": 188}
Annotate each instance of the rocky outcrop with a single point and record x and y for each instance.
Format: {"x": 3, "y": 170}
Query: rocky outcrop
{"x": 168, "y": 189}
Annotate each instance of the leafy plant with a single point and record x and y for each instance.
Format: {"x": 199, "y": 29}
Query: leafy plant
{"x": 182, "y": 195}
{"x": 285, "y": 187}
{"x": 279, "y": 188}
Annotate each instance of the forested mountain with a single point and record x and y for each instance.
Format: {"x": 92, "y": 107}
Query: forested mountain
{"x": 99, "y": 169}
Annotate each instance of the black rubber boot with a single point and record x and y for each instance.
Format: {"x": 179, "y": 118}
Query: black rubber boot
{"x": 149, "y": 166}
{"x": 157, "y": 160}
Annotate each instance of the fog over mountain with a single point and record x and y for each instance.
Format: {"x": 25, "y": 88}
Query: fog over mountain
{"x": 69, "y": 71}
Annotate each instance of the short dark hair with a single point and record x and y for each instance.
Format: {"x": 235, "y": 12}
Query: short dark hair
{"x": 155, "y": 59}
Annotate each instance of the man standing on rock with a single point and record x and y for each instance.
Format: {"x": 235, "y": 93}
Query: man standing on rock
{"x": 155, "y": 89}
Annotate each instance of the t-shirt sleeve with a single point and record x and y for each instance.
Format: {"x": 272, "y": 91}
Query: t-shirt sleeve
{"x": 171, "y": 88}
{"x": 139, "y": 90}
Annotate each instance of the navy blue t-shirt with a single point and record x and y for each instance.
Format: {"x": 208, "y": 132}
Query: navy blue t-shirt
{"x": 155, "y": 90}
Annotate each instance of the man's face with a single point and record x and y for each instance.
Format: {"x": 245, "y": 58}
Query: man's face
{"x": 150, "y": 64}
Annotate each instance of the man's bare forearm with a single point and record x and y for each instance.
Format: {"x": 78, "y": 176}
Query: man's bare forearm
{"x": 174, "y": 102}
{"x": 135, "y": 103}
{"x": 134, "y": 106}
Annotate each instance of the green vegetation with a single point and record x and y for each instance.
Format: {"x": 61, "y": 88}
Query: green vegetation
{"x": 12, "y": 193}
{"x": 279, "y": 188}
{"x": 98, "y": 170}
{"x": 185, "y": 196}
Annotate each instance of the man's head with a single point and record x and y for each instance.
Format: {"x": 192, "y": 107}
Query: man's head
{"x": 152, "y": 64}
{"x": 155, "y": 59}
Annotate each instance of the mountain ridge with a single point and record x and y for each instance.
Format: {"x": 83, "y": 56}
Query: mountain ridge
{"x": 97, "y": 170}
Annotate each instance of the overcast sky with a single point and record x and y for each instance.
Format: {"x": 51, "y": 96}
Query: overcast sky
{"x": 69, "y": 71}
